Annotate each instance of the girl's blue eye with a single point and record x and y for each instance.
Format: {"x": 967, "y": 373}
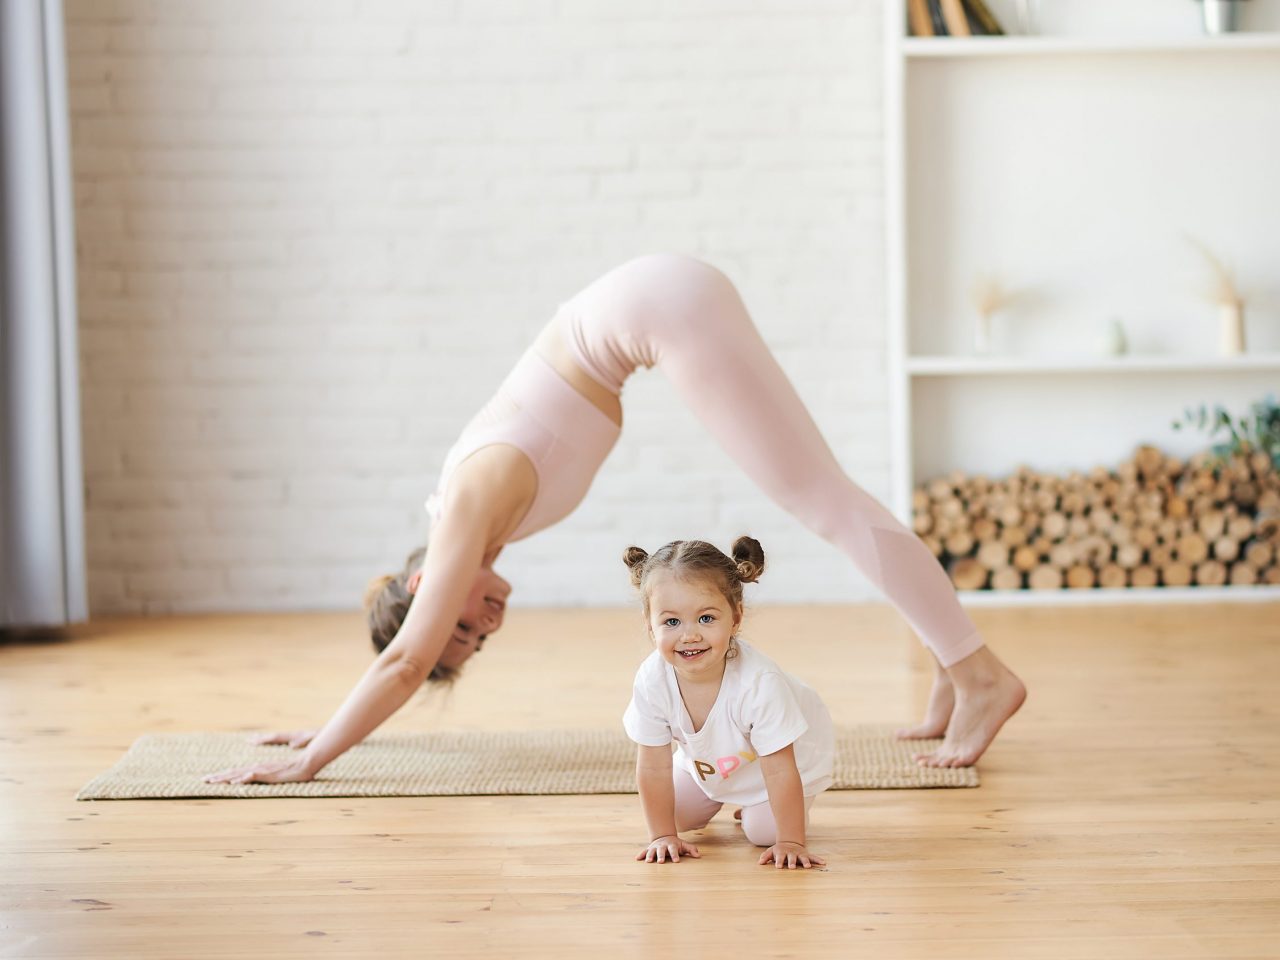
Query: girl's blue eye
{"x": 706, "y": 618}
{"x": 670, "y": 622}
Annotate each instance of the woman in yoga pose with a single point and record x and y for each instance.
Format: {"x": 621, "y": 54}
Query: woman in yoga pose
{"x": 527, "y": 458}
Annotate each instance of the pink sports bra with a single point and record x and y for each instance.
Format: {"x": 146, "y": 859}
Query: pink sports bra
{"x": 563, "y": 434}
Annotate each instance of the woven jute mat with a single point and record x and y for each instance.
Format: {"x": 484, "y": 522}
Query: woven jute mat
{"x": 172, "y": 765}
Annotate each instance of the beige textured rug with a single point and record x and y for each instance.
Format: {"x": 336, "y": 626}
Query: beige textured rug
{"x": 170, "y": 766}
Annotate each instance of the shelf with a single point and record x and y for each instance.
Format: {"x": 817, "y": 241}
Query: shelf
{"x": 1094, "y": 596}
{"x": 1070, "y": 161}
{"x": 1012, "y": 46}
{"x": 943, "y": 366}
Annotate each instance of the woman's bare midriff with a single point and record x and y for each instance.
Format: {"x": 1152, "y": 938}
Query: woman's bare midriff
{"x": 551, "y": 347}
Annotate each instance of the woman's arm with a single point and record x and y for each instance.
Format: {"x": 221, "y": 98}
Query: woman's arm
{"x": 482, "y": 505}
{"x": 450, "y": 569}
{"x": 786, "y": 800}
{"x": 658, "y": 799}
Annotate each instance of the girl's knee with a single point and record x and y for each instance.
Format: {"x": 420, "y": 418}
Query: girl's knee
{"x": 695, "y": 814}
{"x": 694, "y": 809}
{"x": 759, "y": 827}
{"x": 692, "y": 822}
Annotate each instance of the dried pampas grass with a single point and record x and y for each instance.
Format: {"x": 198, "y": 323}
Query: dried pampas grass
{"x": 1223, "y": 290}
{"x": 988, "y": 297}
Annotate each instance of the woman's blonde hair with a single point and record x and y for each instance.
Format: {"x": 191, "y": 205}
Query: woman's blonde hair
{"x": 386, "y": 604}
{"x": 697, "y": 558}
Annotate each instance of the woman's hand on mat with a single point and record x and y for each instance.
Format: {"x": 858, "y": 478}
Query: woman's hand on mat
{"x": 297, "y": 770}
{"x": 667, "y": 848}
{"x": 293, "y": 738}
{"x": 791, "y": 855}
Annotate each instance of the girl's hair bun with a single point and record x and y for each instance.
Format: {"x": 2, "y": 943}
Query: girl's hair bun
{"x": 634, "y": 558}
{"x": 748, "y": 556}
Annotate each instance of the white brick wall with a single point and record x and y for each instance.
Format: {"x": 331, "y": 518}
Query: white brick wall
{"x": 313, "y": 235}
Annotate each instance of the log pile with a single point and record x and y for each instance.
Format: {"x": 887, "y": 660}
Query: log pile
{"x": 1156, "y": 521}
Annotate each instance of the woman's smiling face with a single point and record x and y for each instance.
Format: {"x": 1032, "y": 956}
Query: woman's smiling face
{"x": 691, "y": 623}
{"x": 481, "y": 615}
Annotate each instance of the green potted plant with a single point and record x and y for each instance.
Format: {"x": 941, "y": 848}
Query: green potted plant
{"x": 1258, "y": 430}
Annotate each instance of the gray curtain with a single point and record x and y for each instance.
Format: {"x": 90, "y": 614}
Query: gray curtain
{"x": 42, "y": 580}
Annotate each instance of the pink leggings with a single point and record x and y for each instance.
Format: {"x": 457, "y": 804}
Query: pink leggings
{"x": 686, "y": 318}
{"x": 694, "y": 810}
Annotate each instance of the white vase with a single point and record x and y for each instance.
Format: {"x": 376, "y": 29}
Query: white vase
{"x": 1115, "y": 343}
{"x": 1231, "y": 329}
{"x": 982, "y": 335}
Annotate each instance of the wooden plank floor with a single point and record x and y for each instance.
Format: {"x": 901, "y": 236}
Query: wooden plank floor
{"x": 1130, "y": 810}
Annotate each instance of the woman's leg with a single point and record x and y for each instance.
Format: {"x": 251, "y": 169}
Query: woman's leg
{"x": 694, "y": 809}
{"x": 687, "y": 319}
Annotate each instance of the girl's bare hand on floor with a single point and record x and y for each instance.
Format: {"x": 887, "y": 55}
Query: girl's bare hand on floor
{"x": 667, "y": 848}
{"x": 791, "y": 855}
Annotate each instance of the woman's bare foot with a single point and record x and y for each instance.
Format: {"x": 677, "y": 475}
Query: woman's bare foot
{"x": 942, "y": 701}
{"x": 986, "y": 695}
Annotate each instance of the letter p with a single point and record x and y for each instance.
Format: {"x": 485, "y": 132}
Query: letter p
{"x": 727, "y": 765}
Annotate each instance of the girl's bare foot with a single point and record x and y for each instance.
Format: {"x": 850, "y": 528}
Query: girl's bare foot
{"x": 942, "y": 701}
{"x": 986, "y": 695}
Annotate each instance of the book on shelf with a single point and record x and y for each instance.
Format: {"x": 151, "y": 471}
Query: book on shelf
{"x": 958, "y": 18}
{"x": 935, "y": 16}
{"x": 982, "y": 20}
{"x": 953, "y": 15}
{"x": 918, "y": 16}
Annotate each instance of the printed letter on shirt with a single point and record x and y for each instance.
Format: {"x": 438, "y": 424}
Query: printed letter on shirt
{"x": 704, "y": 769}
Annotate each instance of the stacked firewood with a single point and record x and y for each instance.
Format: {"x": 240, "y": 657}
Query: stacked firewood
{"x": 1155, "y": 521}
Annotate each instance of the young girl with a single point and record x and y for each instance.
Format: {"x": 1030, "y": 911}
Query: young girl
{"x": 745, "y": 732}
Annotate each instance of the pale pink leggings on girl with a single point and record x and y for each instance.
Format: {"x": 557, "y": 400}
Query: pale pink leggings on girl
{"x": 686, "y": 318}
{"x": 694, "y": 810}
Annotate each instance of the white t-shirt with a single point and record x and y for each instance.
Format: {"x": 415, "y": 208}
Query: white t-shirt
{"x": 758, "y": 711}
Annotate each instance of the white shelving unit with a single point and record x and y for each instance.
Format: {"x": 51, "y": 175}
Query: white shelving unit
{"x": 1076, "y": 166}
{"x": 982, "y": 366}
{"x": 1039, "y": 46}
